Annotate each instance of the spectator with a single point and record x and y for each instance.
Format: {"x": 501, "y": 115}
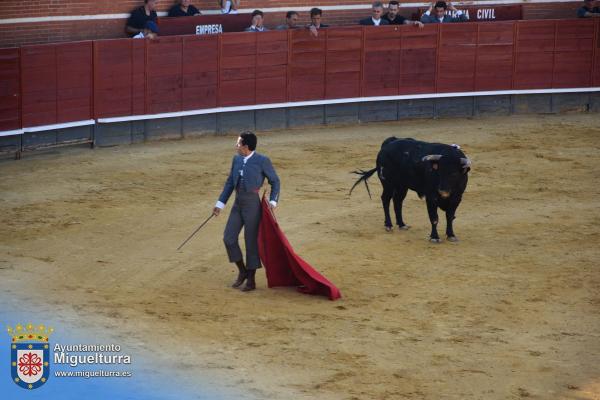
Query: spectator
{"x": 439, "y": 15}
{"x": 394, "y": 18}
{"x": 291, "y": 21}
{"x": 375, "y": 19}
{"x": 138, "y": 18}
{"x": 183, "y": 9}
{"x": 229, "y": 6}
{"x": 588, "y": 10}
{"x": 315, "y": 21}
{"x": 257, "y": 22}
{"x": 150, "y": 31}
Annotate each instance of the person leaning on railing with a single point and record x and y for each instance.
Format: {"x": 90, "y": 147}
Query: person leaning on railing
{"x": 184, "y": 8}
{"x": 394, "y": 18}
{"x": 436, "y": 14}
{"x": 138, "y": 18}
{"x": 315, "y": 21}
{"x": 588, "y": 10}
{"x": 291, "y": 21}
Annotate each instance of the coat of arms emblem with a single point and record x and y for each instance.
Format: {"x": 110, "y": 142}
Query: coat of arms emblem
{"x": 30, "y": 355}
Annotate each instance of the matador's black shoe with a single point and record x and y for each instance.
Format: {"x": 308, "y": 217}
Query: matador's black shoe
{"x": 250, "y": 283}
{"x": 242, "y": 275}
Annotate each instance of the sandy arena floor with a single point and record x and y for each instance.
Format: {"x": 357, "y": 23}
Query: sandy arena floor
{"x": 510, "y": 311}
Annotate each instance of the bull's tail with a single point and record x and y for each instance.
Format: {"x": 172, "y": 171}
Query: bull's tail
{"x": 364, "y": 175}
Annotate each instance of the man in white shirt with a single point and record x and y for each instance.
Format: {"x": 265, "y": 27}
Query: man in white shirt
{"x": 375, "y": 19}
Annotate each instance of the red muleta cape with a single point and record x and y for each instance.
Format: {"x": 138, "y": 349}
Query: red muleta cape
{"x": 283, "y": 266}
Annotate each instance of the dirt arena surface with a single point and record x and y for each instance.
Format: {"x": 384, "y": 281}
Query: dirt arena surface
{"x": 510, "y": 311}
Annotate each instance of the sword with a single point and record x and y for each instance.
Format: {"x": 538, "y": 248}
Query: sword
{"x": 196, "y": 231}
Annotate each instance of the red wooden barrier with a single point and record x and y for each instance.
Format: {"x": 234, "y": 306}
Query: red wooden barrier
{"x": 139, "y": 91}
{"x": 164, "y": 75}
{"x": 10, "y": 90}
{"x": 495, "y": 57}
{"x": 418, "y": 59}
{"x": 39, "y": 76}
{"x": 574, "y": 54}
{"x": 119, "y": 77}
{"x": 74, "y": 81}
{"x": 596, "y": 72}
{"x": 306, "y": 65}
{"x": 456, "y": 57}
{"x": 49, "y": 84}
{"x": 57, "y": 83}
{"x": 343, "y": 63}
{"x": 271, "y": 67}
{"x": 200, "y": 72}
{"x": 534, "y": 54}
{"x": 237, "y": 69}
{"x": 381, "y": 61}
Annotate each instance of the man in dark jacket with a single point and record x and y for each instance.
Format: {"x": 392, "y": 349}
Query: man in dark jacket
{"x": 394, "y": 18}
{"x": 291, "y": 21}
{"x": 588, "y": 10}
{"x": 315, "y": 21}
{"x": 138, "y": 18}
{"x": 183, "y": 8}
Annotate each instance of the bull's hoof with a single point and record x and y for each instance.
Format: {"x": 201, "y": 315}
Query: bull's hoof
{"x": 452, "y": 239}
{"x": 434, "y": 240}
{"x": 389, "y": 228}
{"x": 403, "y": 227}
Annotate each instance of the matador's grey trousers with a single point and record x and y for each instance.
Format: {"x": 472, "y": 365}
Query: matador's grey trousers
{"x": 246, "y": 212}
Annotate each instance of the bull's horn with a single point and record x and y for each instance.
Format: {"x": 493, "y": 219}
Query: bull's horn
{"x": 432, "y": 157}
{"x": 465, "y": 162}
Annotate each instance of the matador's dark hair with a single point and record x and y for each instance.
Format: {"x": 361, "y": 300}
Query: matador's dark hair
{"x": 249, "y": 139}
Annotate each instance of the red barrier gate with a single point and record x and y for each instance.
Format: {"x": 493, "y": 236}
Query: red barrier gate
{"x": 306, "y": 71}
{"x": 200, "y": 72}
{"x": 495, "y": 56}
{"x": 271, "y": 67}
{"x": 10, "y": 90}
{"x": 56, "y": 83}
{"x": 119, "y": 77}
{"x": 418, "y": 67}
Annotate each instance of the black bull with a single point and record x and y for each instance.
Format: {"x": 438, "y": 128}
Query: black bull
{"x": 438, "y": 172}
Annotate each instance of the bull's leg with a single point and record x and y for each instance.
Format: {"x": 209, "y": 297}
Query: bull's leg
{"x": 386, "y": 196}
{"x": 450, "y": 215}
{"x": 433, "y": 218}
{"x": 399, "y": 196}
